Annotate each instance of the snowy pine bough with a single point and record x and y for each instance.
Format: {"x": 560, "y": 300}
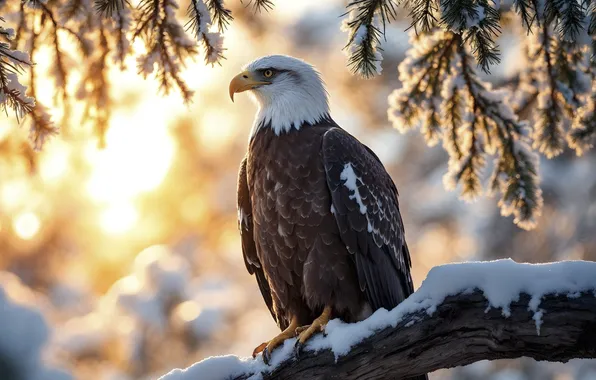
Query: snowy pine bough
{"x": 553, "y": 293}
{"x": 547, "y": 106}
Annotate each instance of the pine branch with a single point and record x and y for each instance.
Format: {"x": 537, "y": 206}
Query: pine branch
{"x": 121, "y": 25}
{"x": 476, "y": 121}
{"x": 423, "y": 13}
{"x": 364, "y": 34}
{"x": 95, "y": 87}
{"x": 516, "y": 169}
{"x": 42, "y": 127}
{"x": 221, "y": 15}
{"x": 592, "y": 14}
{"x": 167, "y": 44}
{"x": 429, "y": 57}
{"x": 107, "y": 8}
{"x": 261, "y": 5}
{"x": 548, "y": 130}
{"x": 72, "y": 9}
{"x": 525, "y": 9}
{"x": 119, "y": 11}
{"x": 21, "y": 27}
{"x": 568, "y": 17}
{"x": 478, "y": 23}
{"x": 12, "y": 93}
{"x": 60, "y": 71}
{"x": 583, "y": 132}
{"x": 199, "y": 23}
{"x": 452, "y": 117}
{"x": 592, "y": 28}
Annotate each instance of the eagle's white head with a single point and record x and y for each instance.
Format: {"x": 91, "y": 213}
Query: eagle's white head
{"x": 288, "y": 91}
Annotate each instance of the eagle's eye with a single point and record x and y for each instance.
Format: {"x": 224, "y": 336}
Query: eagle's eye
{"x": 268, "y": 73}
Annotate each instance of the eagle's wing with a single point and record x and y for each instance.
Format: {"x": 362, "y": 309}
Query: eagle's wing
{"x": 364, "y": 202}
{"x": 249, "y": 249}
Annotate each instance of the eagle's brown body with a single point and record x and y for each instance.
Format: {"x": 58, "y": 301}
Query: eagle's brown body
{"x": 308, "y": 239}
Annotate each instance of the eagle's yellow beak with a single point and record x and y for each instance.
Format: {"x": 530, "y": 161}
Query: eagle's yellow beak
{"x": 242, "y": 82}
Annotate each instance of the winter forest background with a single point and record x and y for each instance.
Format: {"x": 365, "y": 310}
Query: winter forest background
{"x": 120, "y": 257}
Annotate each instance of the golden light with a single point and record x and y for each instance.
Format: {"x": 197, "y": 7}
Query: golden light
{"x": 188, "y": 311}
{"x": 216, "y": 129}
{"x": 4, "y": 132}
{"x": 127, "y": 285}
{"x": 137, "y": 157}
{"x": 118, "y": 218}
{"x": 55, "y": 163}
{"x": 126, "y": 324}
{"x": 26, "y": 225}
{"x": 14, "y": 194}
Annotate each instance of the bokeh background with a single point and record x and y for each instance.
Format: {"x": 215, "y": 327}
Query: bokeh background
{"x": 124, "y": 262}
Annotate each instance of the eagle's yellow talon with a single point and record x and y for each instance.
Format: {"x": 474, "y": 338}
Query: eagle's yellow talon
{"x": 258, "y": 349}
{"x": 316, "y": 326}
{"x": 267, "y": 348}
{"x": 300, "y": 329}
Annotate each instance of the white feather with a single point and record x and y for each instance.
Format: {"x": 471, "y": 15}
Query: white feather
{"x": 294, "y": 98}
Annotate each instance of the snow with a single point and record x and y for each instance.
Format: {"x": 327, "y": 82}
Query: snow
{"x": 359, "y": 38}
{"x": 84, "y": 335}
{"x": 215, "y": 42}
{"x": 474, "y": 20}
{"x": 24, "y": 333}
{"x": 500, "y": 281}
{"x": 159, "y": 279}
{"x": 7, "y": 32}
{"x": 508, "y": 374}
{"x": 204, "y": 17}
{"x": 360, "y": 35}
{"x": 162, "y": 271}
{"x": 146, "y": 63}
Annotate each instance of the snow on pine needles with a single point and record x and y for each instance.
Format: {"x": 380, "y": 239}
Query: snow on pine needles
{"x": 501, "y": 282}
{"x": 443, "y": 93}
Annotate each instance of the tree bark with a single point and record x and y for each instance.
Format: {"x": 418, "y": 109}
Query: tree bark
{"x": 460, "y": 332}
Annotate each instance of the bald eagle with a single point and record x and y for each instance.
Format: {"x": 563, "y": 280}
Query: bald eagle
{"x": 317, "y": 211}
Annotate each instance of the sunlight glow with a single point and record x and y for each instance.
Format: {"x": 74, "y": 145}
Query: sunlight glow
{"x": 14, "y": 194}
{"x": 188, "y": 311}
{"x": 26, "y": 225}
{"x": 217, "y": 129}
{"x": 55, "y": 164}
{"x": 127, "y": 285}
{"x": 118, "y": 218}
{"x": 138, "y": 155}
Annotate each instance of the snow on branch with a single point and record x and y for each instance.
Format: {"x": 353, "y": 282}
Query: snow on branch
{"x": 166, "y": 43}
{"x": 442, "y": 90}
{"x": 364, "y": 34}
{"x": 12, "y": 62}
{"x": 461, "y": 314}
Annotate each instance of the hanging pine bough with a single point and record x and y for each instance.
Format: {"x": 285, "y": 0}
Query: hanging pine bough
{"x": 442, "y": 93}
{"x": 103, "y": 31}
{"x": 549, "y": 105}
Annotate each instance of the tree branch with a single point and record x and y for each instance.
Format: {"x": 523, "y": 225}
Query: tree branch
{"x": 460, "y": 332}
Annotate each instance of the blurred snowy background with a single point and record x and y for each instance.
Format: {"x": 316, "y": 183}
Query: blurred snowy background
{"x": 124, "y": 262}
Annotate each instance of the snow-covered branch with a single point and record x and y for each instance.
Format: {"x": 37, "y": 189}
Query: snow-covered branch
{"x": 461, "y": 314}
{"x": 365, "y": 25}
{"x": 442, "y": 89}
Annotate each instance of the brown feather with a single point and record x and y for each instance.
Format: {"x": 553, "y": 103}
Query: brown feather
{"x": 304, "y": 256}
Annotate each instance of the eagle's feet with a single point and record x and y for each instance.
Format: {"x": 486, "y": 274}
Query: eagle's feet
{"x": 304, "y": 333}
{"x": 267, "y": 348}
